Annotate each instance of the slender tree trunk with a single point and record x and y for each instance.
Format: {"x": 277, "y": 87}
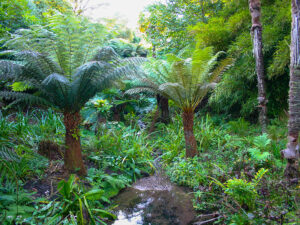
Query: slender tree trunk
{"x": 202, "y": 10}
{"x": 152, "y": 126}
{"x": 190, "y": 140}
{"x": 291, "y": 153}
{"x": 73, "y": 158}
{"x": 256, "y": 32}
{"x": 163, "y": 105}
{"x": 153, "y": 51}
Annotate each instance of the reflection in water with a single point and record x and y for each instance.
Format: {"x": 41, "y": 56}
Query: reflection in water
{"x": 135, "y": 217}
{"x": 154, "y": 200}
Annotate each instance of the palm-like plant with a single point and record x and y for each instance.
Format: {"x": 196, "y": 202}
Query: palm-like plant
{"x": 186, "y": 82}
{"x": 67, "y": 94}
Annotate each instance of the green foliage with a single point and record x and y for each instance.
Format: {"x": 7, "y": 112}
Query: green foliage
{"x": 188, "y": 172}
{"x": 63, "y": 91}
{"x": 46, "y": 8}
{"x": 111, "y": 105}
{"x": 19, "y": 86}
{"x": 94, "y": 110}
{"x": 121, "y": 148}
{"x": 75, "y": 201}
{"x": 70, "y": 40}
{"x": 75, "y": 205}
{"x": 15, "y": 204}
{"x": 110, "y": 183}
{"x": 18, "y": 156}
{"x": 241, "y": 190}
{"x": 224, "y": 156}
{"x": 241, "y": 126}
{"x": 216, "y": 34}
{"x": 259, "y": 153}
{"x": 185, "y": 81}
{"x": 165, "y": 25}
{"x": 126, "y": 49}
{"x": 259, "y": 156}
{"x": 229, "y": 30}
{"x": 15, "y": 14}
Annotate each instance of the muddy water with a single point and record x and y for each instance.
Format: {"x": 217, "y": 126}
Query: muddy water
{"x": 154, "y": 200}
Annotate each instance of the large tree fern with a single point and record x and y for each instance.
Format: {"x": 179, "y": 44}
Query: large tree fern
{"x": 67, "y": 93}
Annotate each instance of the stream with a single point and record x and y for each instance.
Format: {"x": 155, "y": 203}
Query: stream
{"x": 154, "y": 200}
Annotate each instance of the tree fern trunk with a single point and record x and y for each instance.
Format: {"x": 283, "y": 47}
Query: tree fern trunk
{"x": 291, "y": 153}
{"x": 163, "y": 104}
{"x": 73, "y": 157}
{"x": 190, "y": 141}
{"x": 256, "y": 31}
{"x": 155, "y": 117}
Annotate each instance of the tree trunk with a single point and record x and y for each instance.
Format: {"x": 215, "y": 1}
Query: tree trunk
{"x": 163, "y": 105}
{"x": 190, "y": 141}
{"x": 153, "y": 51}
{"x": 291, "y": 153}
{"x": 152, "y": 126}
{"x": 256, "y": 32}
{"x": 73, "y": 158}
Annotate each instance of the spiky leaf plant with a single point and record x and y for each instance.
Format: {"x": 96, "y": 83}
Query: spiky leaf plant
{"x": 186, "y": 82}
{"x": 67, "y": 94}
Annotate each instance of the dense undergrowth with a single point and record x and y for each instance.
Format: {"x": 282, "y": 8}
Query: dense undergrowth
{"x": 236, "y": 174}
{"x": 116, "y": 156}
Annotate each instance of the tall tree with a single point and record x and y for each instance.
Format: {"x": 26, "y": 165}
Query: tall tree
{"x": 166, "y": 25}
{"x": 236, "y": 94}
{"x": 186, "y": 82}
{"x": 256, "y": 32}
{"x": 291, "y": 153}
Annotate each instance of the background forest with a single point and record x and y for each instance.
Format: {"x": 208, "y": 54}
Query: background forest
{"x": 89, "y": 107}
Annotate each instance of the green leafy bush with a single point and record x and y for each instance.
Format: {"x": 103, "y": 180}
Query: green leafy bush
{"x": 259, "y": 153}
{"x": 243, "y": 191}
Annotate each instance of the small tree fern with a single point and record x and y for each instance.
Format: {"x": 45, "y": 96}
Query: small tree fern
{"x": 185, "y": 81}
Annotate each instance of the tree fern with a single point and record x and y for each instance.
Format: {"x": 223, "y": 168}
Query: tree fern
{"x": 67, "y": 93}
{"x": 185, "y": 81}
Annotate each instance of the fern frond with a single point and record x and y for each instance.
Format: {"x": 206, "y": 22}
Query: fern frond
{"x": 9, "y": 69}
{"x": 222, "y": 67}
{"x": 139, "y": 90}
{"x": 106, "y": 54}
{"x": 24, "y": 97}
{"x": 258, "y": 176}
{"x": 185, "y": 81}
{"x": 56, "y": 89}
{"x": 8, "y": 54}
{"x": 7, "y": 154}
{"x": 7, "y": 160}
